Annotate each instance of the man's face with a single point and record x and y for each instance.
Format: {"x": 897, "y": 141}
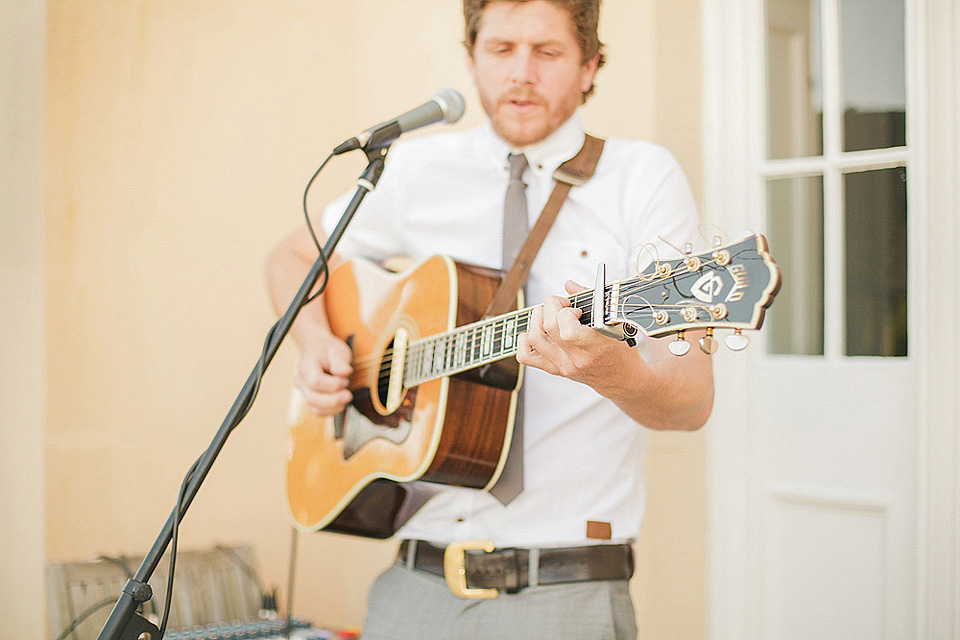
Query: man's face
{"x": 527, "y": 67}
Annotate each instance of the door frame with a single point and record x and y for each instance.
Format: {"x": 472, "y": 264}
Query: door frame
{"x": 731, "y": 149}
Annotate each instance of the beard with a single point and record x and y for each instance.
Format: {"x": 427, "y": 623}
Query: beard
{"x": 521, "y": 116}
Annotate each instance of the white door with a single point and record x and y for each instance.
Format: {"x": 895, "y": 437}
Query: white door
{"x": 814, "y": 449}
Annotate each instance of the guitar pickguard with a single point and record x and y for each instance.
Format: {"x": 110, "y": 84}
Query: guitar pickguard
{"x": 361, "y": 423}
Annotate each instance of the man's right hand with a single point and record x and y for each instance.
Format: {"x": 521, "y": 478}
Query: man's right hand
{"x": 324, "y": 374}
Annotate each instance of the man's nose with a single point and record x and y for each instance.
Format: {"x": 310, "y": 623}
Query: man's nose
{"x": 524, "y": 69}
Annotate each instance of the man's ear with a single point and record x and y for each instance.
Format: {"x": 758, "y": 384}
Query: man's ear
{"x": 470, "y": 64}
{"x": 587, "y": 72}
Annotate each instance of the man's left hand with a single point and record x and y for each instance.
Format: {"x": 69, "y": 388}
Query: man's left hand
{"x": 558, "y": 343}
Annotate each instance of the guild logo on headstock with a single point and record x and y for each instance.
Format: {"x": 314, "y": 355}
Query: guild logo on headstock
{"x": 707, "y": 287}
{"x": 741, "y": 281}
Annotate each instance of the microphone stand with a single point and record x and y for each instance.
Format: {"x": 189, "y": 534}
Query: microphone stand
{"x": 124, "y": 623}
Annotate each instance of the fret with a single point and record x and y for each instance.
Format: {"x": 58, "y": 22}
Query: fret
{"x": 507, "y": 337}
{"x": 614, "y": 302}
{"x": 474, "y": 346}
{"x": 438, "y": 357}
{"x": 428, "y": 348}
{"x": 448, "y": 353}
{"x": 410, "y": 363}
{"x": 583, "y": 301}
{"x": 410, "y": 368}
{"x": 486, "y": 340}
{"x": 422, "y": 362}
{"x": 460, "y": 350}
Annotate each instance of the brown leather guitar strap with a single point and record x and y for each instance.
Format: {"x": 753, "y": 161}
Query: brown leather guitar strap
{"x": 572, "y": 173}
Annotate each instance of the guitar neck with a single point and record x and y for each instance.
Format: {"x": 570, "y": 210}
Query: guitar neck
{"x": 726, "y": 287}
{"x": 475, "y": 345}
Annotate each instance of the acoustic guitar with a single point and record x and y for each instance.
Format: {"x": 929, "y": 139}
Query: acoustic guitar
{"x": 435, "y": 386}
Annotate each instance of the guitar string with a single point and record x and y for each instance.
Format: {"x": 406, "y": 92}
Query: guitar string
{"x": 446, "y": 347}
{"x": 582, "y": 300}
{"x": 469, "y": 333}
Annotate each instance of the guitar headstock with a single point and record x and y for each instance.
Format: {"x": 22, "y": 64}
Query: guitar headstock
{"x": 728, "y": 287}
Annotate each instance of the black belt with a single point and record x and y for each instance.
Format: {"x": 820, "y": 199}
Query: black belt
{"x": 509, "y": 569}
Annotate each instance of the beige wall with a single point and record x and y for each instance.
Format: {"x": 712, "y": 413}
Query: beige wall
{"x": 179, "y": 136}
{"x": 21, "y": 318}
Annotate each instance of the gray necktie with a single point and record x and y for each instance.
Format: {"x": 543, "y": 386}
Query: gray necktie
{"x": 514, "y": 233}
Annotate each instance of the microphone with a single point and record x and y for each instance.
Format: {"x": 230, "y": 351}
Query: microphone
{"x": 446, "y": 106}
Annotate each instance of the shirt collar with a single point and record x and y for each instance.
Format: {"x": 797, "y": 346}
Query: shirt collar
{"x": 548, "y": 154}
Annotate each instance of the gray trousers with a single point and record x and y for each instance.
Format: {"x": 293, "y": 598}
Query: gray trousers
{"x": 408, "y": 604}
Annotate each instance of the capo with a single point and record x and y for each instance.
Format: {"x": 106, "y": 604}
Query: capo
{"x": 599, "y": 313}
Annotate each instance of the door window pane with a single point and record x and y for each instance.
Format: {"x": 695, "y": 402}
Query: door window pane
{"x": 794, "y": 109}
{"x": 876, "y": 262}
{"x": 795, "y": 221}
{"x": 872, "y": 73}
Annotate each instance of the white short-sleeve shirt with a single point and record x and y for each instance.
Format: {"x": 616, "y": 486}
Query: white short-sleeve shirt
{"x": 583, "y": 457}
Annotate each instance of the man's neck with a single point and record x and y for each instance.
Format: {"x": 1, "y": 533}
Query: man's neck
{"x": 562, "y": 144}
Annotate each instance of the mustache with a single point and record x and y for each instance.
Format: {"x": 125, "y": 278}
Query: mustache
{"x": 522, "y": 95}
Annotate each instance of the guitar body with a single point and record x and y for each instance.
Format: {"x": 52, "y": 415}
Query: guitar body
{"x": 368, "y": 470}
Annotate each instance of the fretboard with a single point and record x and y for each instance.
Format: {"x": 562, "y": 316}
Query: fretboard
{"x": 474, "y": 345}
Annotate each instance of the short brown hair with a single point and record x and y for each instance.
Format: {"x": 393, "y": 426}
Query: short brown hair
{"x": 585, "y": 15}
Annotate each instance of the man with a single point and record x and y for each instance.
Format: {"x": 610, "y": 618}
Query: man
{"x": 586, "y": 395}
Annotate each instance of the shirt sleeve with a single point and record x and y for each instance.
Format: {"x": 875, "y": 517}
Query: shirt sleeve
{"x": 662, "y": 208}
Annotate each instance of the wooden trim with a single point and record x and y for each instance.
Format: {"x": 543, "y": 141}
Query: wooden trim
{"x": 728, "y": 203}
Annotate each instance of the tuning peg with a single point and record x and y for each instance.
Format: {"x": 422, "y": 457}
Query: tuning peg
{"x": 630, "y": 335}
{"x": 736, "y": 341}
{"x": 680, "y": 346}
{"x": 708, "y": 344}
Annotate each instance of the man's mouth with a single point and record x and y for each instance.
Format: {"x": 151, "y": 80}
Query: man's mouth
{"x": 522, "y": 104}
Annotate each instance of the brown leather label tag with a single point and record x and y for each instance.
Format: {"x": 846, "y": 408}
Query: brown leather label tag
{"x": 598, "y": 530}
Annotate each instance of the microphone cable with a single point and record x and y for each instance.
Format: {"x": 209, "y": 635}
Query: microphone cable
{"x": 89, "y": 611}
{"x": 313, "y": 234}
{"x": 257, "y": 378}
{"x": 86, "y": 613}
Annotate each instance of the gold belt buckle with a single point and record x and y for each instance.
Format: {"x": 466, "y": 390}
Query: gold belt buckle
{"x": 455, "y": 570}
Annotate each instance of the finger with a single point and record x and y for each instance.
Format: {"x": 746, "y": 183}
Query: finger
{"x": 550, "y": 308}
{"x": 339, "y": 360}
{"x": 315, "y": 377}
{"x": 528, "y": 355}
{"x": 569, "y": 327}
{"x": 325, "y": 404}
{"x": 534, "y": 332}
{"x": 573, "y": 287}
